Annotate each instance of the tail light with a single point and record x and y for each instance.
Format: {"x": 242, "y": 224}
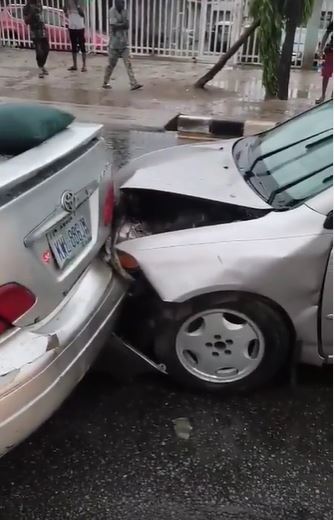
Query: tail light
{"x": 15, "y": 301}
{"x": 108, "y": 207}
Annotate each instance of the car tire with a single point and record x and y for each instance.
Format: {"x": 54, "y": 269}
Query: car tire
{"x": 192, "y": 343}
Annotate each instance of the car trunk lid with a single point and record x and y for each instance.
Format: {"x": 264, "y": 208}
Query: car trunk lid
{"x": 51, "y": 215}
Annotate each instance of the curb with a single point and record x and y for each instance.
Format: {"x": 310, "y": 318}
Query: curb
{"x": 194, "y": 127}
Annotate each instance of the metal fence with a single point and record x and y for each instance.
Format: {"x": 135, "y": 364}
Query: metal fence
{"x": 198, "y": 29}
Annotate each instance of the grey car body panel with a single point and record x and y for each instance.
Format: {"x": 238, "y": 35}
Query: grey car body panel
{"x": 206, "y": 171}
{"x": 47, "y": 351}
{"x": 326, "y": 310}
{"x": 322, "y": 203}
{"x": 38, "y": 207}
{"x": 24, "y": 166}
{"x": 281, "y": 256}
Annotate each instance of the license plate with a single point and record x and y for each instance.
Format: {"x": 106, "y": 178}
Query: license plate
{"x": 69, "y": 238}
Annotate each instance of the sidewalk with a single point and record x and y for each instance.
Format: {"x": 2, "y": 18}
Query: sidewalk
{"x": 168, "y": 90}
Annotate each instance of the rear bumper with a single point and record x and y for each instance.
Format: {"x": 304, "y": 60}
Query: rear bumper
{"x": 66, "y": 344}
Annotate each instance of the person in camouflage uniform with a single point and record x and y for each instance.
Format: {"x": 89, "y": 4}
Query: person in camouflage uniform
{"x": 33, "y": 16}
{"x": 118, "y": 44}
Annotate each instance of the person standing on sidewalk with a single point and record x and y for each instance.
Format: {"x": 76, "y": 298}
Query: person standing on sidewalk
{"x": 75, "y": 13}
{"x": 33, "y": 16}
{"x": 326, "y": 53}
{"x": 118, "y": 44}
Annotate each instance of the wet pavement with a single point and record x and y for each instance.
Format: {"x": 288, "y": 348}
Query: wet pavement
{"x": 138, "y": 447}
{"x": 234, "y": 93}
{"x": 113, "y": 452}
{"x": 124, "y": 146}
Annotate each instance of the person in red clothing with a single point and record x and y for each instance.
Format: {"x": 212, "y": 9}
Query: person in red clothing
{"x": 326, "y": 53}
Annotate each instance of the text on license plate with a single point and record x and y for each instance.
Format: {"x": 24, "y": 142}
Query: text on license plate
{"x": 68, "y": 239}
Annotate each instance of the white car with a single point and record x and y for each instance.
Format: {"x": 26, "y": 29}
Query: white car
{"x": 58, "y": 296}
{"x": 230, "y": 247}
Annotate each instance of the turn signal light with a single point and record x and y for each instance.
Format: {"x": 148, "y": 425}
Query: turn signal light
{"x": 15, "y": 300}
{"x": 108, "y": 208}
{"x": 128, "y": 262}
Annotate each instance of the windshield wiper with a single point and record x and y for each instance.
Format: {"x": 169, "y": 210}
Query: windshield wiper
{"x": 319, "y": 141}
{"x": 327, "y": 179}
{"x": 250, "y": 173}
{"x": 297, "y": 181}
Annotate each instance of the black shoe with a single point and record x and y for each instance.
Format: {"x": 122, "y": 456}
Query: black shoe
{"x": 136, "y": 87}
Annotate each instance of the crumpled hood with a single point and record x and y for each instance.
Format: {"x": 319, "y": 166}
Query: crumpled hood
{"x": 205, "y": 171}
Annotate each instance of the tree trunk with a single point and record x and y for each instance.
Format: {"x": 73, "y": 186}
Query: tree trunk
{"x": 286, "y": 59}
{"x": 201, "y": 82}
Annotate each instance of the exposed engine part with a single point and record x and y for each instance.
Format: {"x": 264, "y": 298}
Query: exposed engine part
{"x": 147, "y": 212}
{"x": 131, "y": 230}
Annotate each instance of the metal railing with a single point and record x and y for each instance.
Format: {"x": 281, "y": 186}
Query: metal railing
{"x": 198, "y": 29}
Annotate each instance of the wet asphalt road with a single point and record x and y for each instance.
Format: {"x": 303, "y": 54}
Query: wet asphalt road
{"x": 129, "y": 145}
{"x": 112, "y": 452}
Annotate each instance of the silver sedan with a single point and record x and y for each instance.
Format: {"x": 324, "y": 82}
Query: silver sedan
{"x": 230, "y": 247}
{"x": 59, "y": 297}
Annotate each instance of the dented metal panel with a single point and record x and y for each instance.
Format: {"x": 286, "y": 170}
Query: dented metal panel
{"x": 205, "y": 171}
{"x": 281, "y": 256}
{"x": 25, "y": 349}
{"x": 40, "y": 365}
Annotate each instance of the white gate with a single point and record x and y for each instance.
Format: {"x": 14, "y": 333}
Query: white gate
{"x": 160, "y": 27}
{"x": 201, "y": 29}
{"x": 220, "y": 26}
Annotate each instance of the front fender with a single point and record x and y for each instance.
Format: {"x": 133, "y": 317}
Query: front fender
{"x": 276, "y": 262}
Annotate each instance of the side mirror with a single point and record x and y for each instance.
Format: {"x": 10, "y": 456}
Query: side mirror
{"x": 328, "y": 223}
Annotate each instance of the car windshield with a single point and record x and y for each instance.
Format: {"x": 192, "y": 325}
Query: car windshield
{"x": 290, "y": 163}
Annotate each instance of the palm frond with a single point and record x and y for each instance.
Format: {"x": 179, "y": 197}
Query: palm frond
{"x": 269, "y": 35}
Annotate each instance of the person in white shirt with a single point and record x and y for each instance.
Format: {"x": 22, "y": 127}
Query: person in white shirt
{"x": 75, "y": 13}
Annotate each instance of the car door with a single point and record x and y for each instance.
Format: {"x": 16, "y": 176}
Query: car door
{"x": 327, "y": 310}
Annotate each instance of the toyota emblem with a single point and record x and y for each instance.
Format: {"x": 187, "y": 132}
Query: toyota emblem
{"x": 68, "y": 201}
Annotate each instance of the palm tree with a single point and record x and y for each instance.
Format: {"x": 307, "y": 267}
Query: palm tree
{"x": 294, "y": 14}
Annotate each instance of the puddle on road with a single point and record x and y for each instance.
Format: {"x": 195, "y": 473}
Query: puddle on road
{"x": 125, "y": 146}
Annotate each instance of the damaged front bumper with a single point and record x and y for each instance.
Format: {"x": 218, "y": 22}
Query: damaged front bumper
{"x": 40, "y": 366}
